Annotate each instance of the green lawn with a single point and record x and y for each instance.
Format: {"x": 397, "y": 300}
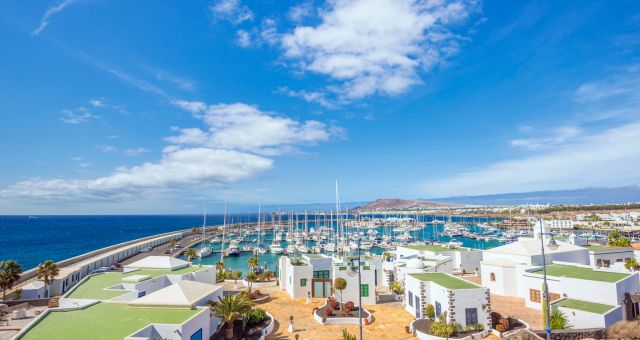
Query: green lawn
{"x": 104, "y": 321}
{"x": 598, "y": 247}
{"x": 581, "y": 273}
{"x": 93, "y": 288}
{"x": 586, "y": 306}
{"x": 433, "y": 247}
{"x": 445, "y": 280}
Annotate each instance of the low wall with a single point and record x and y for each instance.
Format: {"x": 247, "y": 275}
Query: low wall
{"x": 32, "y": 302}
{"x": 258, "y": 285}
{"x": 575, "y": 334}
{"x": 44, "y": 314}
{"x": 269, "y": 329}
{"x": 426, "y": 336}
{"x": 341, "y": 320}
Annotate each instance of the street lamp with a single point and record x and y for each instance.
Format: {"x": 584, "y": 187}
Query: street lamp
{"x": 353, "y": 272}
{"x": 553, "y": 246}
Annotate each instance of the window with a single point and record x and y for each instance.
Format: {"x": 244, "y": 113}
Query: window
{"x": 492, "y": 277}
{"x": 197, "y": 335}
{"x": 554, "y": 296}
{"x": 599, "y": 262}
{"x": 303, "y": 282}
{"x": 438, "y": 308}
{"x": 411, "y": 299}
{"x": 534, "y": 295}
{"x": 321, "y": 274}
{"x": 606, "y": 263}
{"x": 364, "y": 290}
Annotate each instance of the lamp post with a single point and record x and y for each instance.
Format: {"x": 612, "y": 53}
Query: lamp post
{"x": 553, "y": 246}
{"x": 352, "y": 272}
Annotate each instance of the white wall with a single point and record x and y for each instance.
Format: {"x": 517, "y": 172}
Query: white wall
{"x": 293, "y": 275}
{"x": 581, "y": 319}
{"x": 505, "y": 284}
{"x": 612, "y": 256}
{"x": 353, "y": 290}
{"x": 202, "y": 321}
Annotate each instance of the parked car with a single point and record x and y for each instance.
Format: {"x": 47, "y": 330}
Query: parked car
{"x": 145, "y": 249}
{"x": 100, "y": 270}
{"x": 168, "y": 251}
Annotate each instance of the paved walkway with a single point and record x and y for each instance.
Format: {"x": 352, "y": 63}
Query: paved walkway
{"x": 389, "y": 319}
{"x": 9, "y": 327}
{"x": 513, "y": 306}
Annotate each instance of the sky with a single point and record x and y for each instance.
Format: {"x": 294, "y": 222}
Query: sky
{"x": 155, "y": 107}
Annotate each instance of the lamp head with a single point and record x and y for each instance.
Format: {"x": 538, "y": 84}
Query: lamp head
{"x": 552, "y": 244}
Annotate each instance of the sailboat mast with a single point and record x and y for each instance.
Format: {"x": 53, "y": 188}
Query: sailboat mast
{"x": 224, "y": 227}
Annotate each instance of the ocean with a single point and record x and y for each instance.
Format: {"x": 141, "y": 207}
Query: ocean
{"x": 31, "y": 240}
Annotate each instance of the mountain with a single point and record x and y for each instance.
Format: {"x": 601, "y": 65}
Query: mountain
{"x": 396, "y": 203}
{"x": 576, "y": 196}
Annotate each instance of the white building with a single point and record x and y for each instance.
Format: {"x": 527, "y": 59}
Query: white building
{"x": 465, "y": 303}
{"x": 463, "y": 259}
{"x": 314, "y": 274}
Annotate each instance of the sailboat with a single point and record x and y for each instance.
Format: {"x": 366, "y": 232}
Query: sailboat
{"x": 260, "y": 248}
{"x": 204, "y": 250}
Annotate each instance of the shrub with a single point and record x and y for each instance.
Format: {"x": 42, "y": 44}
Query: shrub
{"x": 558, "y": 320}
{"x": 495, "y": 318}
{"x": 334, "y": 304}
{"x": 442, "y": 329}
{"x": 347, "y": 336}
{"x": 479, "y": 327}
{"x": 512, "y": 321}
{"x": 348, "y": 307}
{"x": 431, "y": 311}
{"x": 443, "y": 317}
{"x": 500, "y": 328}
{"x": 328, "y": 312}
{"x": 397, "y": 288}
{"x": 505, "y": 323}
{"x": 255, "y": 316}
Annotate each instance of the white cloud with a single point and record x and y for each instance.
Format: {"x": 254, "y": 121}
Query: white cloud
{"x": 244, "y": 127}
{"x": 243, "y": 38}
{"x": 557, "y": 137}
{"x": 608, "y": 158}
{"x": 178, "y": 81}
{"x": 95, "y": 102}
{"x": 48, "y": 14}
{"x": 77, "y": 116}
{"x": 178, "y": 168}
{"x": 106, "y": 148}
{"x": 301, "y": 11}
{"x": 377, "y": 46}
{"x": 231, "y": 10}
{"x": 235, "y": 146}
{"x": 135, "y": 151}
{"x": 309, "y": 96}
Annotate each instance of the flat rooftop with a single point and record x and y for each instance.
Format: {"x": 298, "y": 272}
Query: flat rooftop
{"x": 93, "y": 287}
{"x": 434, "y": 247}
{"x": 104, "y": 321}
{"x": 574, "y": 272}
{"x": 445, "y": 280}
{"x": 582, "y": 305}
{"x": 599, "y": 248}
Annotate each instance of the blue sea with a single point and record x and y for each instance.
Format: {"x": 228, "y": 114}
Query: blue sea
{"x": 31, "y": 240}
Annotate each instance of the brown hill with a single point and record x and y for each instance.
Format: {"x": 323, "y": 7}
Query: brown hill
{"x": 396, "y": 203}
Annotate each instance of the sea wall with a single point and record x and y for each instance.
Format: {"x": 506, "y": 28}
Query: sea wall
{"x": 575, "y": 334}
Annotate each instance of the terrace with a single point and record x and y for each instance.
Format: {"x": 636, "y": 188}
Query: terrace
{"x": 586, "y": 306}
{"x": 445, "y": 280}
{"x": 582, "y": 273}
{"x": 104, "y": 321}
{"x": 94, "y": 286}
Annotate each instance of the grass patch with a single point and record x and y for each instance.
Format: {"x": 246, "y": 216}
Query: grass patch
{"x": 445, "y": 280}
{"x": 598, "y": 247}
{"x": 574, "y": 272}
{"x": 586, "y": 306}
{"x": 93, "y": 288}
{"x": 104, "y": 321}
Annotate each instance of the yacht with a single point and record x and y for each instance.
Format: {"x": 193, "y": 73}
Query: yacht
{"x": 454, "y": 243}
{"x": 330, "y": 247}
{"x": 205, "y": 251}
{"x": 291, "y": 249}
{"x": 233, "y": 249}
{"x": 301, "y": 248}
{"x": 216, "y": 239}
{"x": 366, "y": 245}
{"x": 276, "y": 248}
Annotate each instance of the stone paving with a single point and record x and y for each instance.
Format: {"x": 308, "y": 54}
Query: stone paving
{"x": 389, "y": 319}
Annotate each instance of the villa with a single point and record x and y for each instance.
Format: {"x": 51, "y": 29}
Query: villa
{"x": 465, "y": 303}
{"x": 314, "y": 274}
{"x": 157, "y": 297}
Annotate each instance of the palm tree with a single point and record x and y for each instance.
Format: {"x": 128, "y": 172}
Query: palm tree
{"x": 190, "y": 253}
{"x": 10, "y": 271}
{"x": 253, "y": 262}
{"x": 251, "y": 277}
{"x": 172, "y": 242}
{"x": 236, "y": 275}
{"x": 219, "y": 271}
{"x": 47, "y": 271}
{"x": 229, "y": 309}
{"x": 631, "y": 263}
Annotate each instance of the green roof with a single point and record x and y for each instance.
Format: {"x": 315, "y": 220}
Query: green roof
{"x": 104, "y": 321}
{"x": 445, "y": 280}
{"x": 434, "y": 247}
{"x": 586, "y": 306}
{"x": 599, "y": 247}
{"x": 582, "y": 273}
{"x": 93, "y": 287}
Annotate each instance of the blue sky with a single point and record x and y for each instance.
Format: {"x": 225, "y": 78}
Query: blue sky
{"x": 133, "y": 107}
